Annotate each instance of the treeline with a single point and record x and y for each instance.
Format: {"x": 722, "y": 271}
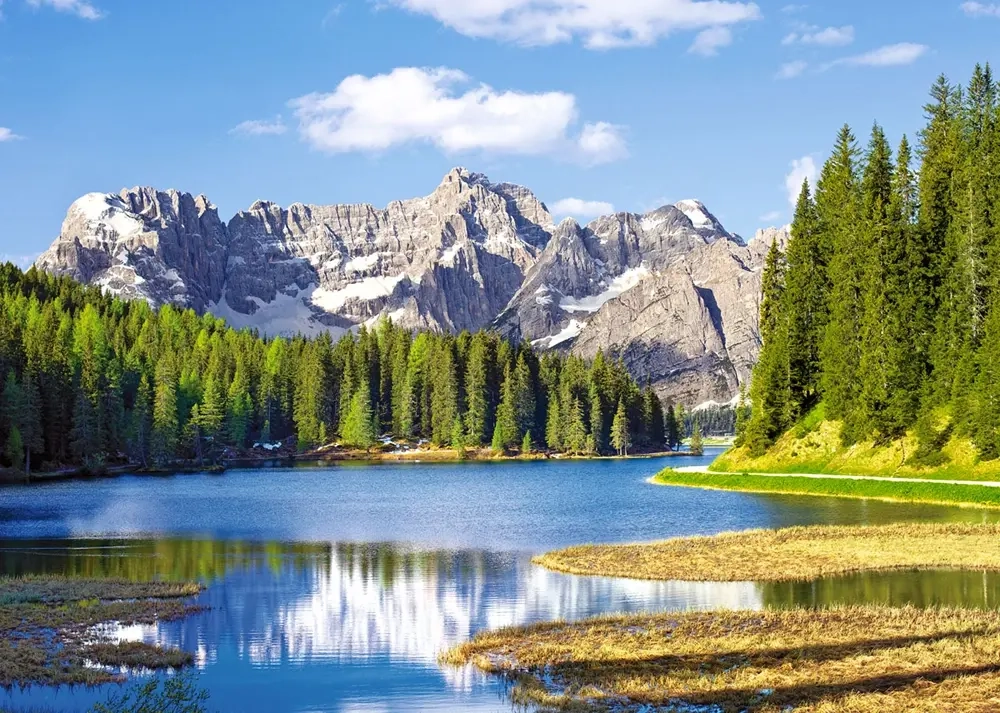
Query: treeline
{"x": 89, "y": 379}
{"x": 885, "y": 306}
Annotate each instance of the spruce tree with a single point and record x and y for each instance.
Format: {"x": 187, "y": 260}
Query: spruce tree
{"x": 697, "y": 446}
{"x": 553, "y": 424}
{"x": 358, "y": 427}
{"x": 620, "y": 430}
{"x": 769, "y": 389}
{"x": 672, "y": 430}
{"x": 804, "y": 305}
{"x": 838, "y": 213}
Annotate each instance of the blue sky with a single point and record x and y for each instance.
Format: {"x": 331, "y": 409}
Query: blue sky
{"x": 631, "y": 103}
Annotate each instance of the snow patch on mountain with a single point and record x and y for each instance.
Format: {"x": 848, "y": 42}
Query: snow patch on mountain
{"x": 624, "y": 282}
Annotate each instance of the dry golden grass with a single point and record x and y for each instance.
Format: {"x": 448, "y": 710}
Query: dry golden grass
{"x": 796, "y": 553}
{"x": 49, "y": 627}
{"x": 858, "y": 660}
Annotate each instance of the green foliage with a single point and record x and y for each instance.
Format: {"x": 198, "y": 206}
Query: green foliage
{"x": 173, "y": 694}
{"x": 889, "y": 303}
{"x": 14, "y": 450}
{"x": 620, "y": 430}
{"x": 697, "y": 446}
{"x": 90, "y": 380}
{"x": 526, "y": 445}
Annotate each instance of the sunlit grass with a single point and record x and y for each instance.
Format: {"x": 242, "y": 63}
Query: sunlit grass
{"x": 797, "y": 553}
{"x": 853, "y": 659}
{"x": 929, "y": 492}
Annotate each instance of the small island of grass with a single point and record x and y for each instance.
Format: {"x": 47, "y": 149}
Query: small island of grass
{"x": 851, "y": 659}
{"x": 51, "y": 628}
{"x": 797, "y": 553}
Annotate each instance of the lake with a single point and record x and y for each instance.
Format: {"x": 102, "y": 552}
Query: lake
{"x": 335, "y": 588}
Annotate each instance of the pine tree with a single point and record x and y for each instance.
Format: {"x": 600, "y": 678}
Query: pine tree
{"x": 596, "y": 418}
{"x": 697, "y": 446}
{"x": 526, "y": 444}
{"x": 358, "y": 427}
{"x": 838, "y": 212}
{"x": 656, "y": 434}
{"x": 553, "y": 424}
{"x": 239, "y": 408}
{"x": 141, "y": 423}
{"x": 769, "y": 389}
{"x": 576, "y": 431}
{"x": 14, "y": 449}
{"x": 505, "y": 434}
{"x": 165, "y": 420}
{"x": 879, "y": 238}
{"x": 804, "y": 305}
{"x": 673, "y": 431}
{"x": 620, "y": 430}
{"x": 477, "y": 390}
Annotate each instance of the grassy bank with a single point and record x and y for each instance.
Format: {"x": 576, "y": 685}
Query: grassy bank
{"x": 797, "y": 553}
{"x": 825, "y": 661}
{"x": 814, "y": 446}
{"x": 50, "y": 628}
{"x": 930, "y": 492}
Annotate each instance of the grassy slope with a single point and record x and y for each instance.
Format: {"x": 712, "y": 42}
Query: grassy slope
{"x": 814, "y": 447}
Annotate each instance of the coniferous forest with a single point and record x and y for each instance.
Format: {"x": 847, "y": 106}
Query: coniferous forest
{"x": 90, "y": 380}
{"x": 884, "y": 310}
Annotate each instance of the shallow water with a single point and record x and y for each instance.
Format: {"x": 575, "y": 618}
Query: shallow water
{"x": 335, "y": 589}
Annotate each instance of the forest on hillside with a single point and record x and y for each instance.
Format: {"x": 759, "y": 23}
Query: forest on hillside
{"x": 884, "y": 310}
{"x": 90, "y": 379}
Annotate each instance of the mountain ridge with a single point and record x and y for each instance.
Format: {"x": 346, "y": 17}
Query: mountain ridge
{"x": 472, "y": 254}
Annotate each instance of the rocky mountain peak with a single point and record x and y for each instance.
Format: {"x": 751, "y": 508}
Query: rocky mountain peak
{"x": 670, "y": 291}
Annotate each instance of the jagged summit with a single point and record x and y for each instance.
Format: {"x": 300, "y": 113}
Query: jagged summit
{"x": 471, "y": 254}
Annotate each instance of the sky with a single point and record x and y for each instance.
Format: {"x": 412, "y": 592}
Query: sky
{"x": 593, "y": 104}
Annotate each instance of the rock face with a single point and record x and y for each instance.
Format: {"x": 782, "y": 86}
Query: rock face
{"x": 670, "y": 292}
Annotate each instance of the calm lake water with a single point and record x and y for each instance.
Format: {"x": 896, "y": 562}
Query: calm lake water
{"x": 335, "y": 588}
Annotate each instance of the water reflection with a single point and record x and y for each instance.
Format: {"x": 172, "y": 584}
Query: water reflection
{"x": 359, "y": 626}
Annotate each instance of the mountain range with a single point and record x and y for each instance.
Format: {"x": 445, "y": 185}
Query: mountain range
{"x": 670, "y": 292}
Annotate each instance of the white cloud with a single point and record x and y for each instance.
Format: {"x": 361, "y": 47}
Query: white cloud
{"x": 888, "y": 56}
{"x": 412, "y": 104}
{"x": 8, "y": 135}
{"x": 601, "y": 142}
{"x": 791, "y": 70}
{"x": 600, "y": 24}
{"x": 578, "y": 208}
{"x": 80, "y": 8}
{"x": 708, "y": 42}
{"x": 826, "y": 37}
{"x": 791, "y": 9}
{"x": 802, "y": 169}
{"x": 770, "y": 217}
{"x": 257, "y": 127}
{"x": 978, "y": 9}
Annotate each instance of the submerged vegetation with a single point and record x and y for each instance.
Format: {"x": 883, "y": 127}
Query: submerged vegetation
{"x": 90, "y": 380}
{"x": 885, "y": 307}
{"x": 797, "y": 553}
{"x": 51, "y": 633}
{"x": 863, "y": 659}
{"x": 845, "y": 487}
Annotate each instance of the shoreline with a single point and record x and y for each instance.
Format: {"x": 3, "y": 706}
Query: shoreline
{"x": 443, "y": 456}
{"x": 929, "y": 492}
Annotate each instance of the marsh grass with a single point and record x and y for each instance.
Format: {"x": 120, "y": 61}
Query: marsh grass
{"x": 862, "y": 659}
{"x": 50, "y": 627}
{"x": 796, "y": 553}
{"x": 929, "y": 492}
